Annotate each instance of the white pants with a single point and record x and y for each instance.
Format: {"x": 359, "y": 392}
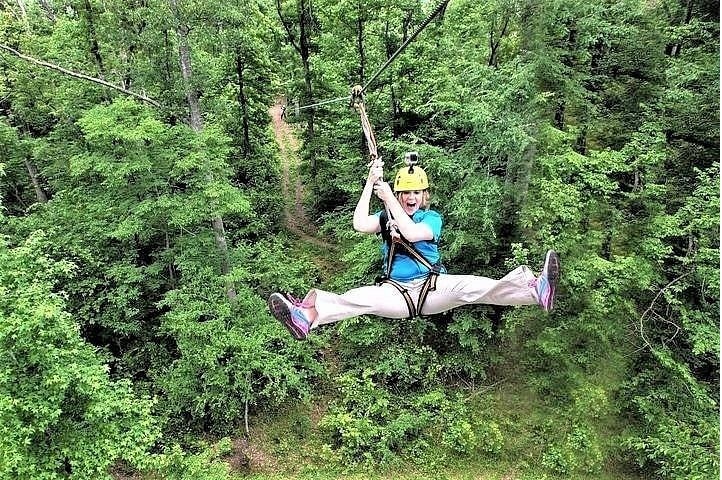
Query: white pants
{"x": 516, "y": 288}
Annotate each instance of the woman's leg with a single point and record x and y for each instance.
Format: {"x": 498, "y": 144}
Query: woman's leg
{"x": 383, "y": 300}
{"x": 516, "y": 288}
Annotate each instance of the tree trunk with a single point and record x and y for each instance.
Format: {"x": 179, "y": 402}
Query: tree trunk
{"x": 167, "y": 69}
{"x": 673, "y": 50}
{"x": 303, "y": 47}
{"x": 518, "y": 170}
{"x": 360, "y": 44}
{"x": 93, "y": 40}
{"x": 196, "y": 123}
{"x": 125, "y": 59}
{"x": 127, "y": 51}
{"x": 580, "y": 144}
{"x": 171, "y": 267}
{"x": 397, "y": 121}
{"x": 34, "y": 178}
{"x": 568, "y": 59}
{"x": 194, "y": 105}
{"x": 395, "y": 114}
{"x": 49, "y": 10}
{"x": 305, "y": 44}
{"x": 23, "y": 11}
{"x": 606, "y": 247}
{"x": 516, "y": 186}
{"x": 361, "y": 66}
{"x": 495, "y": 43}
{"x": 395, "y": 107}
{"x": 559, "y": 114}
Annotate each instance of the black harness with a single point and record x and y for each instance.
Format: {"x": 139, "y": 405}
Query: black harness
{"x": 400, "y": 245}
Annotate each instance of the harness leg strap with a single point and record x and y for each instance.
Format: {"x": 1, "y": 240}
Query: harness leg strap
{"x": 404, "y": 293}
{"x": 429, "y": 286}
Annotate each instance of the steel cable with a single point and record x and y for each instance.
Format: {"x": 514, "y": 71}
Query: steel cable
{"x": 439, "y": 8}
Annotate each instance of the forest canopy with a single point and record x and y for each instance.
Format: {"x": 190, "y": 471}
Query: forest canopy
{"x": 151, "y": 198}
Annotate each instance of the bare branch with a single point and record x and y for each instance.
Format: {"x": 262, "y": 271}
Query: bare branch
{"x": 23, "y": 12}
{"x": 49, "y": 11}
{"x": 651, "y": 306}
{"x": 484, "y": 389}
{"x": 669, "y": 322}
{"x": 79, "y": 75}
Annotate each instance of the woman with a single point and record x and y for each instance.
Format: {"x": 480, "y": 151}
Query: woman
{"x": 407, "y": 274}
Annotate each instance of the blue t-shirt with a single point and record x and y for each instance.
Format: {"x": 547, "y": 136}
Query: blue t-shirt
{"x": 405, "y": 268}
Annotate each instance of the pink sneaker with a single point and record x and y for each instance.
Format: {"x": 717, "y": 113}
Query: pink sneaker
{"x": 291, "y": 313}
{"x": 546, "y": 282}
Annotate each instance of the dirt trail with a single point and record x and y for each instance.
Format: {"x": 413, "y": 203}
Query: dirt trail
{"x": 293, "y": 213}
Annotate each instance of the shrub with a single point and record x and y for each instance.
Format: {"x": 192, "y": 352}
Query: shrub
{"x": 371, "y": 425}
{"x": 60, "y": 414}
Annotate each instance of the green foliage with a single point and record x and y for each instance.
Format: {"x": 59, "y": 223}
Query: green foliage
{"x": 62, "y": 416}
{"x": 227, "y": 358}
{"x": 575, "y": 439}
{"x": 264, "y": 273}
{"x": 370, "y": 425}
{"x": 678, "y": 435}
{"x": 576, "y": 452}
{"x": 591, "y": 128}
{"x": 133, "y": 196}
{"x": 14, "y": 152}
{"x": 176, "y": 464}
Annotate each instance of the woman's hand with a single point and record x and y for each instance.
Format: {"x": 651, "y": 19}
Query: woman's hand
{"x": 376, "y": 173}
{"x": 383, "y": 191}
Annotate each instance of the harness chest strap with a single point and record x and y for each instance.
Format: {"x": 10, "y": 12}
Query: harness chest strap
{"x": 429, "y": 284}
{"x": 393, "y": 240}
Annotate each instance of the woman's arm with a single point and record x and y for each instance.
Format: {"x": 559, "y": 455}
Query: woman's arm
{"x": 413, "y": 232}
{"x": 363, "y": 220}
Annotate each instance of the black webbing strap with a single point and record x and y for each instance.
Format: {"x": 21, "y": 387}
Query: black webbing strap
{"x": 429, "y": 286}
{"x": 403, "y": 291}
{"x": 408, "y": 248}
{"x": 413, "y": 252}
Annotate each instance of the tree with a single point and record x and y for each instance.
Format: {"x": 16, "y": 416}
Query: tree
{"x": 196, "y": 123}
{"x": 299, "y": 22}
{"x": 62, "y": 416}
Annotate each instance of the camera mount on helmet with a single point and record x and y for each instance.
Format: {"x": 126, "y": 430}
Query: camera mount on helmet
{"x": 411, "y": 159}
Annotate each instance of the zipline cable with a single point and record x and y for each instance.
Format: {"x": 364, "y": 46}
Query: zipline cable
{"x": 439, "y": 8}
{"x": 324, "y": 102}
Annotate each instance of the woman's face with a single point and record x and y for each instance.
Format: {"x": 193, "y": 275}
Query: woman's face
{"x": 411, "y": 201}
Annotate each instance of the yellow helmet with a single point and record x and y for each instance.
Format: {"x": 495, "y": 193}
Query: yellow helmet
{"x": 411, "y": 178}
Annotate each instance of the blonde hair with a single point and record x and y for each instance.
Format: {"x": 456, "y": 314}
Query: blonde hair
{"x": 425, "y": 197}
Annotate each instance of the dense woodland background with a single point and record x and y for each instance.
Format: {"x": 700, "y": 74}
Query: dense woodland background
{"x": 140, "y": 238}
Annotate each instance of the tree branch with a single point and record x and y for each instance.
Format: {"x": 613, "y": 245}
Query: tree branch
{"x": 79, "y": 75}
{"x": 484, "y": 389}
{"x": 690, "y": 138}
{"x": 287, "y": 26}
{"x": 651, "y": 306}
